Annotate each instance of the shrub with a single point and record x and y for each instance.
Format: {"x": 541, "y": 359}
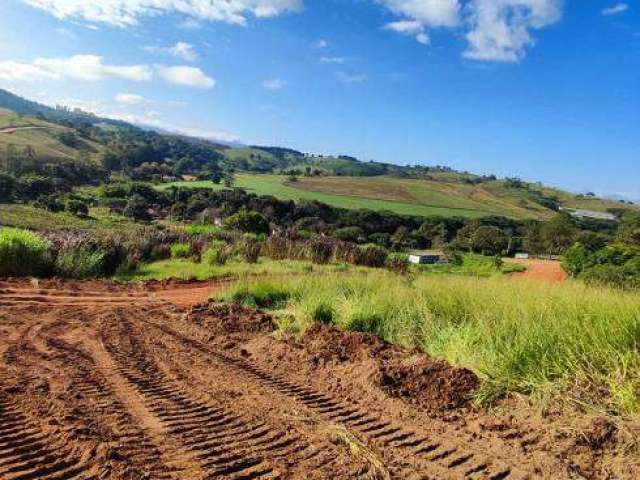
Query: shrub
{"x": 320, "y": 251}
{"x": 76, "y": 207}
{"x": 81, "y": 262}
{"x": 23, "y": 253}
{"x": 180, "y": 250}
{"x": 249, "y": 248}
{"x": 249, "y": 222}
{"x": 348, "y": 234}
{"x": 398, "y": 262}
{"x": 372, "y": 255}
{"x": 216, "y": 254}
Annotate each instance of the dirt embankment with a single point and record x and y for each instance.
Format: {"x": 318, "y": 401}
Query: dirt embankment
{"x": 104, "y": 381}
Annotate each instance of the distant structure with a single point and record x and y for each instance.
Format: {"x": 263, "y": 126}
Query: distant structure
{"x": 427, "y": 257}
{"x": 591, "y": 214}
{"x": 522, "y": 256}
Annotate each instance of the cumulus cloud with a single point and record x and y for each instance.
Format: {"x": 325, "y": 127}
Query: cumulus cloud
{"x": 186, "y": 76}
{"x": 79, "y": 67}
{"x": 500, "y": 30}
{"x": 124, "y": 13}
{"x": 615, "y": 9}
{"x": 274, "y": 84}
{"x": 496, "y": 30}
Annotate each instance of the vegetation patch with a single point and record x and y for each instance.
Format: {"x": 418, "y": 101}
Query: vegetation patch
{"x": 550, "y": 342}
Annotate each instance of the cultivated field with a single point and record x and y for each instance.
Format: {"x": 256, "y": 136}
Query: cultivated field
{"x": 405, "y": 196}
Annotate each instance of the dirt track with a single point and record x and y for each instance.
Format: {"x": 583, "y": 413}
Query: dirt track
{"x": 99, "y": 382}
{"x": 546, "y": 270}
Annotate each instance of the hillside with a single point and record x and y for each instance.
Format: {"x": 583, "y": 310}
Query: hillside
{"x": 82, "y": 148}
{"x": 50, "y": 141}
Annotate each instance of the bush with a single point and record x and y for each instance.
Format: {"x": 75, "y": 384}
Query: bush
{"x": 180, "y": 250}
{"x": 372, "y": 255}
{"x": 249, "y": 249}
{"x": 398, "y": 262}
{"x": 77, "y": 208}
{"x": 216, "y": 254}
{"x": 248, "y": 222}
{"x": 23, "y": 253}
{"x": 320, "y": 251}
{"x": 81, "y": 262}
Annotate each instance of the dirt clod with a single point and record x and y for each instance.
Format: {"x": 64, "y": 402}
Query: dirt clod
{"x": 427, "y": 383}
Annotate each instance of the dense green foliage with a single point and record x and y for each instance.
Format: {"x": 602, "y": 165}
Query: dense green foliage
{"x": 23, "y": 253}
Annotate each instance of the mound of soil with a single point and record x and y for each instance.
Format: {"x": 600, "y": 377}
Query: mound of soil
{"x": 432, "y": 385}
{"x": 228, "y": 318}
{"x": 401, "y": 373}
{"x": 327, "y": 344}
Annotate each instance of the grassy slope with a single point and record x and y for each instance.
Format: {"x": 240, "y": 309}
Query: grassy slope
{"x": 25, "y": 216}
{"x": 44, "y": 141}
{"x": 277, "y": 186}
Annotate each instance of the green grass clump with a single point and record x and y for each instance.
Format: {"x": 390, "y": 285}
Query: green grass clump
{"x": 180, "y": 250}
{"x": 23, "y": 253}
{"x": 547, "y": 341}
{"x": 80, "y": 262}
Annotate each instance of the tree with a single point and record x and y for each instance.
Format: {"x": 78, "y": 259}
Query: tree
{"x": 7, "y": 187}
{"x": 33, "y": 186}
{"x": 229, "y": 178}
{"x": 137, "y": 208}
{"x": 77, "y": 208}
{"x": 559, "y": 233}
{"x": 248, "y": 221}
{"x": 489, "y": 240}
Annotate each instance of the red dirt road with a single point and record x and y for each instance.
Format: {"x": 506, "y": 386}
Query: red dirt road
{"x": 547, "y": 270}
{"x": 101, "y": 381}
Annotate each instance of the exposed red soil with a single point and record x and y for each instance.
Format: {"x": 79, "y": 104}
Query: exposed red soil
{"x": 546, "y": 270}
{"x": 105, "y": 381}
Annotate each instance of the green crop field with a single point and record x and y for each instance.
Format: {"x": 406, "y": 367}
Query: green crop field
{"x": 374, "y": 193}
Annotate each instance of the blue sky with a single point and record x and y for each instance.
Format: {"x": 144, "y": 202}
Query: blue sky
{"x": 543, "y": 89}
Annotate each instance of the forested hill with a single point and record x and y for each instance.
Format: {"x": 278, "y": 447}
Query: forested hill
{"x": 71, "y": 147}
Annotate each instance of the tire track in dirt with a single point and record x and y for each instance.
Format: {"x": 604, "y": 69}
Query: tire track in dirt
{"x": 430, "y": 456}
{"x": 220, "y": 443}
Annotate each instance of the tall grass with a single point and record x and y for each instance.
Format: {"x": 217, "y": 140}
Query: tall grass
{"x": 23, "y": 253}
{"x": 547, "y": 341}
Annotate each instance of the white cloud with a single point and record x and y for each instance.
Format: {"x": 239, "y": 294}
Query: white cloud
{"x": 410, "y": 27}
{"x": 335, "y": 60}
{"x": 322, "y": 43}
{"x": 183, "y": 50}
{"x": 130, "y": 99}
{"x": 496, "y": 30}
{"x": 124, "y": 13}
{"x": 500, "y": 30}
{"x": 80, "y": 67}
{"x": 24, "y": 72}
{"x": 274, "y": 84}
{"x": 615, "y": 9}
{"x": 426, "y": 13}
{"x": 185, "y": 75}
{"x": 351, "y": 77}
